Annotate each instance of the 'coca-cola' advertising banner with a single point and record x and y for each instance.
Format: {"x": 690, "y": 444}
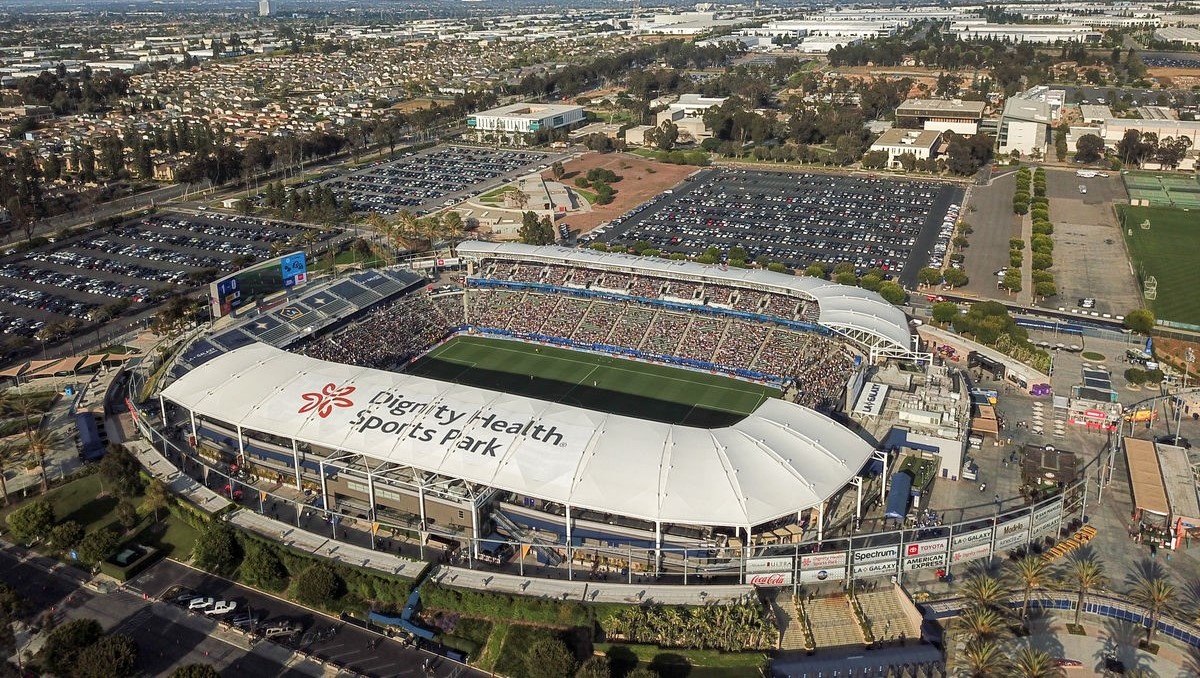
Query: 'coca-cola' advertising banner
{"x": 770, "y": 579}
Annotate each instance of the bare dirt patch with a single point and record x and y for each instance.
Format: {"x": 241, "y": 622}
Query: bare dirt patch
{"x": 641, "y": 179}
{"x": 1183, "y": 78}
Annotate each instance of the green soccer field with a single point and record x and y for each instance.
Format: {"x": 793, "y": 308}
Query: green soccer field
{"x": 595, "y": 382}
{"x": 1166, "y": 251}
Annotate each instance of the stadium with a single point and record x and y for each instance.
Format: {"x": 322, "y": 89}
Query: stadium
{"x": 658, "y": 415}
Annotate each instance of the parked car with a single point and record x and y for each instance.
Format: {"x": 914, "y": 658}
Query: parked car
{"x": 201, "y": 603}
{"x": 222, "y": 607}
{"x": 1176, "y": 440}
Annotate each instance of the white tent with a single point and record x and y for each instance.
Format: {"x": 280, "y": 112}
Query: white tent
{"x": 779, "y": 460}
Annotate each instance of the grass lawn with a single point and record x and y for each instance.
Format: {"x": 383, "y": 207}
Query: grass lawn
{"x": 596, "y": 382}
{"x": 494, "y": 194}
{"x": 587, "y": 195}
{"x": 1167, "y": 252}
{"x": 703, "y": 663}
{"x": 79, "y": 500}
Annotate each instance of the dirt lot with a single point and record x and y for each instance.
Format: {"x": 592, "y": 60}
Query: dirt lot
{"x": 641, "y": 179}
{"x": 1182, "y": 78}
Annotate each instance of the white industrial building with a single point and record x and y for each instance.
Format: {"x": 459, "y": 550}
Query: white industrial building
{"x": 923, "y": 144}
{"x": 940, "y": 115}
{"x": 830, "y": 28}
{"x": 688, "y": 114}
{"x": 1114, "y": 129}
{"x": 1183, "y": 36}
{"x": 1038, "y": 33}
{"x": 1024, "y": 126}
{"x": 520, "y": 119}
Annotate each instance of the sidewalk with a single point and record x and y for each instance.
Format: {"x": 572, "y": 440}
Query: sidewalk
{"x": 589, "y": 591}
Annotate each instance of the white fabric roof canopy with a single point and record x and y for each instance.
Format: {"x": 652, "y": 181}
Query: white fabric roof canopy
{"x": 781, "y": 459}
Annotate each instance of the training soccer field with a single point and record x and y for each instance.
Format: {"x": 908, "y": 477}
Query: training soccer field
{"x": 595, "y": 382}
{"x": 1167, "y": 251}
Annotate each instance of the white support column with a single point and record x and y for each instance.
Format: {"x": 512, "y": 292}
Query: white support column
{"x": 858, "y": 484}
{"x": 473, "y": 552}
{"x": 324, "y": 489}
{"x": 195, "y": 435}
{"x": 371, "y": 498}
{"x": 162, "y": 407}
{"x": 883, "y": 478}
{"x": 570, "y": 549}
{"x": 421, "y": 505}
{"x": 241, "y": 447}
{"x": 657, "y": 545}
{"x": 820, "y": 521}
{"x": 296, "y": 466}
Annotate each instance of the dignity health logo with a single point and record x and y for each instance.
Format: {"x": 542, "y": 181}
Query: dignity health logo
{"x": 330, "y": 397}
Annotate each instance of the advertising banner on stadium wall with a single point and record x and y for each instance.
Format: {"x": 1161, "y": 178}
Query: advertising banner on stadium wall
{"x": 870, "y": 401}
{"x": 780, "y": 564}
{"x": 924, "y": 548}
{"x": 770, "y": 579}
{"x": 817, "y": 561}
{"x": 828, "y": 574}
{"x": 874, "y": 555}
{"x": 875, "y": 569}
{"x": 971, "y": 553}
{"x": 1046, "y": 519}
{"x": 925, "y": 562}
{"x": 1012, "y": 533}
{"x": 983, "y": 536}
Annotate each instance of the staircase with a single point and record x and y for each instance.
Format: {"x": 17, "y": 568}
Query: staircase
{"x": 887, "y": 615}
{"x": 832, "y": 621}
{"x": 790, "y": 619}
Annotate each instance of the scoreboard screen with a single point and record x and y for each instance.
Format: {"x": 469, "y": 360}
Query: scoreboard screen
{"x": 244, "y": 288}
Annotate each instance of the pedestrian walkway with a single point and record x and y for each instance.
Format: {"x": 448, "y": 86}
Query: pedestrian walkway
{"x": 889, "y": 616}
{"x": 833, "y": 622}
{"x": 589, "y": 591}
{"x": 318, "y": 545}
{"x": 790, "y": 620}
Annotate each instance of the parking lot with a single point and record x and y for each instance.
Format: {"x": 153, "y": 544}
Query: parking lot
{"x": 345, "y": 645}
{"x": 424, "y": 181}
{"x": 799, "y": 219}
{"x": 134, "y": 260}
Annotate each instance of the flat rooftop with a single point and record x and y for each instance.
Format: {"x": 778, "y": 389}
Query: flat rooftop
{"x": 530, "y": 111}
{"x": 942, "y": 107}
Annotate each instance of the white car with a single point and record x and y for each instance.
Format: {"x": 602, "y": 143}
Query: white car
{"x": 222, "y": 607}
{"x": 202, "y": 603}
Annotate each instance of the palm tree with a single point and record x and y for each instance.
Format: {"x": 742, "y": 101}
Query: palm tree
{"x": 983, "y": 590}
{"x": 1154, "y": 591}
{"x": 982, "y": 659}
{"x": 1086, "y": 572}
{"x": 982, "y": 623}
{"x": 1031, "y": 663}
{"x": 7, "y": 453}
{"x": 42, "y": 441}
{"x": 1030, "y": 572}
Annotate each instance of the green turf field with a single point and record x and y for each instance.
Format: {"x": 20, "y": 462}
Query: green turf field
{"x": 595, "y": 382}
{"x": 1166, "y": 251}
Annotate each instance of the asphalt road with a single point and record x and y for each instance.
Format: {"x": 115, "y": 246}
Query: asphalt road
{"x": 166, "y": 636}
{"x": 353, "y": 648}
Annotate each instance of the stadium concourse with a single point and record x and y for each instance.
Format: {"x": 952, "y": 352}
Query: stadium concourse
{"x": 452, "y": 464}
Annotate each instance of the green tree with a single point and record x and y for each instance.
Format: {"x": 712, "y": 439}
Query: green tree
{"x": 158, "y": 497}
{"x": 121, "y": 472}
{"x": 32, "y": 521}
{"x": 1089, "y": 148}
{"x": 983, "y": 590}
{"x": 815, "y": 271}
{"x": 1030, "y": 572}
{"x": 216, "y": 548}
{"x": 929, "y": 276}
{"x": 982, "y": 623}
{"x": 262, "y": 568}
{"x": 112, "y": 656}
{"x": 846, "y": 278}
{"x": 535, "y": 231}
{"x": 64, "y": 643}
{"x": 982, "y": 659}
{"x": 1085, "y": 572}
{"x": 319, "y": 585}
{"x": 195, "y": 671}
{"x": 892, "y": 292}
{"x": 955, "y": 277}
{"x": 1028, "y": 662}
{"x": 1155, "y": 592}
{"x": 127, "y": 514}
{"x": 98, "y": 545}
{"x": 945, "y": 311}
{"x": 42, "y": 441}
{"x": 549, "y": 658}
{"x": 596, "y": 666}
{"x": 66, "y": 536}
{"x": 1140, "y": 320}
